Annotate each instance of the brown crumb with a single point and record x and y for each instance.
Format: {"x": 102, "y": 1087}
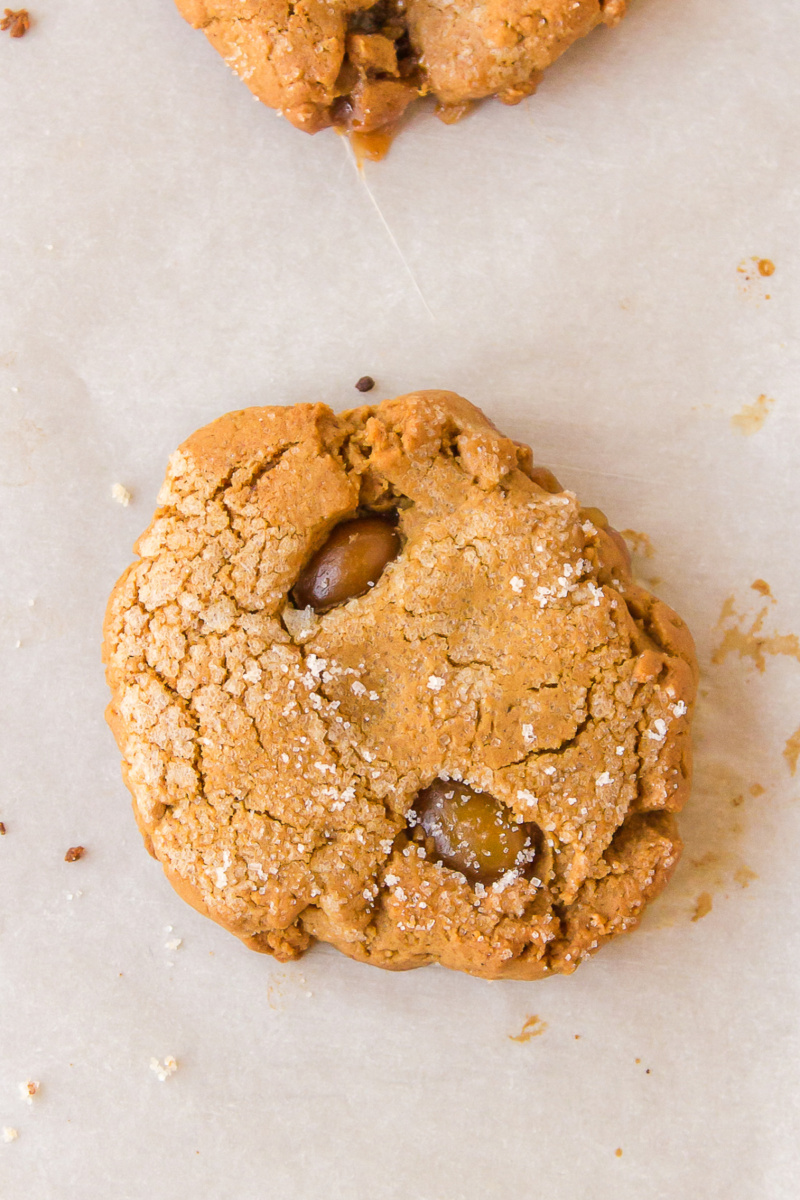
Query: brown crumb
{"x": 16, "y": 21}
{"x": 2, "y": 828}
{"x": 365, "y": 384}
{"x": 534, "y": 1026}
{"x": 766, "y": 266}
{"x": 647, "y": 1072}
{"x": 638, "y": 1060}
{"x": 577, "y": 1037}
{"x": 703, "y": 906}
{"x": 74, "y": 853}
{"x": 618, "y": 1152}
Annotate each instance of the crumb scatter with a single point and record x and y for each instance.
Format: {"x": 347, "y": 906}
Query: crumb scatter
{"x": 163, "y": 1070}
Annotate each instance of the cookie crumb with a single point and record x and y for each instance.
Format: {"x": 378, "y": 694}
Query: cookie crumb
{"x": 9, "y": 1134}
{"x": 766, "y": 266}
{"x": 173, "y": 943}
{"x": 16, "y": 21}
{"x": 534, "y": 1027}
{"x": 365, "y": 384}
{"x": 28, "y": 1090}
{"x": 703, "y": 906}
{"x": 2, "y": 829}
{"x": 165, "y": 1069}
{"x": 121, "y": 494}
{"x": 74, "y": 853}
{"x": 618, "y": 1152}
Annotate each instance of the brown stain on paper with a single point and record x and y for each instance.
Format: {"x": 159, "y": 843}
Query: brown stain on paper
{"x": 639, "y": 542}
{"x": 534, "y": 1027}
{"x": 703, "y": 906}
{"x": 751, "y": 417}
{"x": 791, "y": 751}
{"x": 750, "y": 642}
{"x": 762, "y": 587}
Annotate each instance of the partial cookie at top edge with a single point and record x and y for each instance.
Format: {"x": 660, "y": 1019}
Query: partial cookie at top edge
{"x": 359, "y": 67}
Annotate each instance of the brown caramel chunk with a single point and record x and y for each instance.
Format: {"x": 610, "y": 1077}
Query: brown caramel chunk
{"x": 372, "y": 52}
{"x": 373, "y": 104}
{"x": 351, "y": 561}
{"x": 472, "y": 832}
{"x": 74, "y": 853}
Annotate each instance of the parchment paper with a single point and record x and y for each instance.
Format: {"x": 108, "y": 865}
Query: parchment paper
{"x": 585, "y": 268}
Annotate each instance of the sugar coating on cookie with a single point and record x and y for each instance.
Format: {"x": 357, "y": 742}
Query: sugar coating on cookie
{"x": 275, "y": 753}
{"x": 358, "y": 67}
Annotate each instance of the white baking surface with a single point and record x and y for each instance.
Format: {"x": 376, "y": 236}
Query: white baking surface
{"x": 170, "y": 249}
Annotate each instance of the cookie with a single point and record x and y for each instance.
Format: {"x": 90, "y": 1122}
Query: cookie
{"x": 357, "y": 68}
{"x": 377, "y": 680}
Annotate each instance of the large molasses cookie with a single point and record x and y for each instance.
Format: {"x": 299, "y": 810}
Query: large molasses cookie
{"x": 378, "y": 680}
{"x": 359, "y": 67}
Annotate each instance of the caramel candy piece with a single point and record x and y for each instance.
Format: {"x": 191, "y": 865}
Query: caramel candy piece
{"x": 350, "y": 562}
{"x": 472, "y": 832}
{"x": 371, "y": 52}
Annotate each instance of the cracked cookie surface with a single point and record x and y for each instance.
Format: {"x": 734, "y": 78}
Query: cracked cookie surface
{"x": 359, "y": 67}
{"x": 274, "y": 754}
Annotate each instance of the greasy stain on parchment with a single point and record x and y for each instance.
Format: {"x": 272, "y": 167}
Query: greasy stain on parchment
{"x": 703, "y": 906}
{"x": 639, "y": 542}
{"x": 534, "y": 1027}
{"x": 749, "y": 641}
{"x": 791, "y": 751}
{"x": 751, "y": 417}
